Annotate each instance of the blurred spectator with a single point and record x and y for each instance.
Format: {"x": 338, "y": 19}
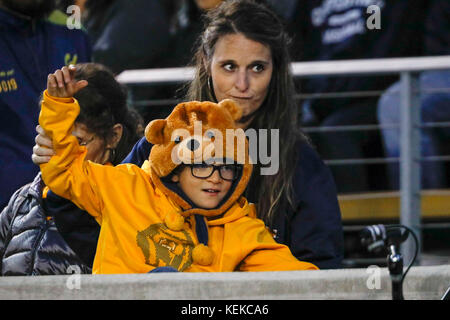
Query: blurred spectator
{"x": 324, "y": 30}
{"x": 435, "y": 105}
{"x": 143, "y": 34}
{"x": 185, "y": 26}
{"x": 127, "y": 34}
{"x": 31, "y": 47}
{"x": 31, "y": 239}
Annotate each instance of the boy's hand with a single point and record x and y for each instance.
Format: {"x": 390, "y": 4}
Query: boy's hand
{"x": 62, "y": 83}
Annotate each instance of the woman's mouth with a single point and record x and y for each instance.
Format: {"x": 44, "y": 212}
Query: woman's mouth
{"x": 241, "y": 98}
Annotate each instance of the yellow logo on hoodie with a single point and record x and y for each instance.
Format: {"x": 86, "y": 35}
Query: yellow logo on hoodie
{"x": 164, "y": 247}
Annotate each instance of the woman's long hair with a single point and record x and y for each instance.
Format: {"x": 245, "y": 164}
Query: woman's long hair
{"x": 273, "y": 194}
{"x": 103, "y": 103}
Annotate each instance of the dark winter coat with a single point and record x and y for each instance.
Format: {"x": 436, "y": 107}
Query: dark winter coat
{"x": 30, "y": 243}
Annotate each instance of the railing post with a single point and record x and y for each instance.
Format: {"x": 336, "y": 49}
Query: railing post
{"x": 410, "y": 183}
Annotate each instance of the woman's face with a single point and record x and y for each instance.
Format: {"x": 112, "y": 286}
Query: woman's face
{"x": 96, "y": 147}
{"x": 241, "y": 70}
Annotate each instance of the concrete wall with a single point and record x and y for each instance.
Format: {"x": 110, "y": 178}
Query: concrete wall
{"x": 426, "y": 283}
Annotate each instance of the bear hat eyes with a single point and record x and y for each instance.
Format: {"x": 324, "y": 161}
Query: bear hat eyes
{"x": 208, "y": 134}
{"x": 177, "y": 139}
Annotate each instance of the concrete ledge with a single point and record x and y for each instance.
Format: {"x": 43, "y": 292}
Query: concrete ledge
{"x": 424, "y": 283}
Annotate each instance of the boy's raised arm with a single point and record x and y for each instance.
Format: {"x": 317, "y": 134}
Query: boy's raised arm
{"x": 65, "y": 173}
{"x": 62, "y": 83}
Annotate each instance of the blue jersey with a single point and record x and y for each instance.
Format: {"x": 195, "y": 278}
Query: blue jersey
{"x": 29, "y": 51}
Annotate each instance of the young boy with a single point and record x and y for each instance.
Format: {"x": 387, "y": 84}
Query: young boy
{"x": 174, "y": 212}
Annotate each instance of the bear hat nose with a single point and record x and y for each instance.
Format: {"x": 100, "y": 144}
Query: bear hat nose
{"x": 193, "y": 144}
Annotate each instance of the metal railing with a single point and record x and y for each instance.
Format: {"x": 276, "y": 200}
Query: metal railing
{"x": 410, "y": 123}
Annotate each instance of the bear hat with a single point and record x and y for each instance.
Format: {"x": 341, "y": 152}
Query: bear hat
{"x": 198, "y": 132}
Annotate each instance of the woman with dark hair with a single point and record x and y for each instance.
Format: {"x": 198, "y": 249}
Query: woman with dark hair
{"x": 299, "y": 202}
{"x": 242, "y": 41}
{"x": 243, "y": 55}
{"x": 31, "y": 240}
{"x": 278, "y": 110}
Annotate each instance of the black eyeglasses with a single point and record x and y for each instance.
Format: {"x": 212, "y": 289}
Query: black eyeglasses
{"x": 228, "y": 172}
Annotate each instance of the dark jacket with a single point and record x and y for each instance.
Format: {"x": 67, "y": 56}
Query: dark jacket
{"x": 313, "y": 231}
{"x": 29, "y": 51}
{"x": 128, "y": 34}
{"x": 30, "y": 243}
{"x": 437, "y": 28}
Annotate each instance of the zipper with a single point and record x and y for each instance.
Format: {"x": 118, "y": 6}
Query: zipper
{"x": 37, "y": 244}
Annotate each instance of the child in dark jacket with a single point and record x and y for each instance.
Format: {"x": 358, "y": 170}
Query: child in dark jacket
{"x": 31, "y": 240}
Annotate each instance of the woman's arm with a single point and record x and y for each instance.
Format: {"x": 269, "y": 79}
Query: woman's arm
{"x": 314, "y": 231}
{"x": 77, "y": 227}
{"x": 139, "y": 153}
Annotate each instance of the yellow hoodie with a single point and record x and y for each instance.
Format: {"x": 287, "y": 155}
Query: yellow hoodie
{"x": 132, "y": 211}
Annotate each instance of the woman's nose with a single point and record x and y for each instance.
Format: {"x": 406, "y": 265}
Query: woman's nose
{"x": 242, "y": 82}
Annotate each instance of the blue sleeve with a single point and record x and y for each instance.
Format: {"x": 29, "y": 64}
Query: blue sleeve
{"x": 139, "y": 153}
{"x": 314, "y": 231}
{"x": 77, "y": 227}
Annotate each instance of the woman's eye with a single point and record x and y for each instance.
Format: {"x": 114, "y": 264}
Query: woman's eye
{"x": 258, "y": 68}
{"x": 228, "y": 67}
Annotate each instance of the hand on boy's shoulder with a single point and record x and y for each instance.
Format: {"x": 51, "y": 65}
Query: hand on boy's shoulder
{"x": 62, "y": 83}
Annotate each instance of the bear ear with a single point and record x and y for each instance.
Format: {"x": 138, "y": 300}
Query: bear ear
{"x": 233, "y": 108}
{"x": 154, "y": 132}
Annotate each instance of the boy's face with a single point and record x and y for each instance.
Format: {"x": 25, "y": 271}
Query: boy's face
{"x": 206, "y": 193}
